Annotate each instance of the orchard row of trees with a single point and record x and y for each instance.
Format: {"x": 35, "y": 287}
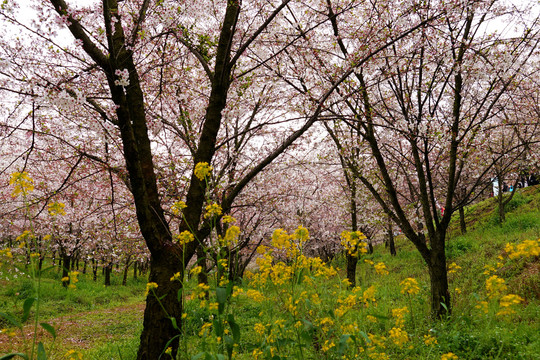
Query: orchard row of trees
{"x": 333, "y": 114}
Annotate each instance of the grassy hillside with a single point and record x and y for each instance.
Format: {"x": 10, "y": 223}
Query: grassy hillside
{"x": 304, "y": 310}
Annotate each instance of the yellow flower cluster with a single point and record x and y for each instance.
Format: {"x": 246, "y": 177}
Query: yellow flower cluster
{"x": 196, "y": 270}
{"x": 201, "y": 291}
{"x": 430, "y": 340}
{"x": 352, "y": 241}
{"x": 381, "y": 269}
{"x": 453, "y": 267}
{"x": 73, "y": 355}
{"x": 184, "y": 237}
{"x": 399, "y": 336}
{"x": 22, "y": 183}
{"x": 495, "y": 286}
{"x": 212, "y": 210}
{"x": 231, "y": 236}
{"x": 328, "y": 345}
{"x": 176, "y": 276}
{"x": 280, "y": 239}
{"x": 202, "y": 170}
{"x": 205, "y": 329}
{"x": 177, "y": 207}
{"x": 409, "y": 286}
{"x": 528, "y": 248}
{"x": 150, "y": 287}
{"x": 228, "y": 219}
{"x": 260, "y": 329}
{"x": 399, "y": 315}
{"x": 56, "y": 208}
{"x": 449, "y": 356}
{"x": 506, "y": 303}
{"x": 73, "y": 277}
{"x": 22, "y": 239}
{"x": 255, "y": 295}
{"x": 6, "y": 252}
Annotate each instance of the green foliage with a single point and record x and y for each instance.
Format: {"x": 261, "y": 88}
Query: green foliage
{"x": 109, "y": 318}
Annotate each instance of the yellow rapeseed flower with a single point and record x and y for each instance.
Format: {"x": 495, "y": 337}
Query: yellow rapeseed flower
{"x": 212, "y": 210}
{"x": 380, "y": 268}
{"x": 352, "y": 241}
{"x": 259, "y": 329}
{"x": 56, "y": 208}
{"x": 449, "y": 356}
{"x": 227, "y": 219}
{"x": 453, "y": 267}
{"x": 205, "y": 329}
{"x": 328, "y": 345}
{"x": 280, "y": 239}
{"x": 149, "y": 287}
{"x": 409, "y": 286}
{"x": 430, "y": 340}
{"x": 177, "y": 207}
{"x": 22, "y": 183}
{"x": 231, "y": 236}
{"x": 202, "y": 170}
{"x": 398, "y": 336}
{"x": 184, "y": 237}
{"x": 495, "y": 286}
{"x": 176, "y": 276}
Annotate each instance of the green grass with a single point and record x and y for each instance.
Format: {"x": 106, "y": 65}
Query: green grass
{"x": 105, "y": 322}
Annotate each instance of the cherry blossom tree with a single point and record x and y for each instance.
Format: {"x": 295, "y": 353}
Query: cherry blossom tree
{"x": 419, "y": 110}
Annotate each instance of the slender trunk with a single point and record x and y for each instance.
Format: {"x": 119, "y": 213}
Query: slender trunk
{"x": 370, "y": 246}
{"x": 135, "y": 266}
{"x": 108, "y": 269}
{"x": 95, "y": 266}
{"x": 352, "y": 261}
{"x": 390, "y": 238}
{"x": 126, "y": 269}
{"x": 66, "y": 260}
{"x": 462, "y": 223}
{"x": 84, "y": 266}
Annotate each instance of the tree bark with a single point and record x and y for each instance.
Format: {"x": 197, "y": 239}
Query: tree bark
{"x": 390, "y": 238}
{"x": 352, "y": 262}
{"x": 66, "y": 261}
{"x": 126, "y": 269}
{"x": 440, "y": 296}
{"x": 158, "y": 328}
{"x": 108, "y": 269}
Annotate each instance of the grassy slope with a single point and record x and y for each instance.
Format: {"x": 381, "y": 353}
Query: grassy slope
{"x": 104, "y": 323}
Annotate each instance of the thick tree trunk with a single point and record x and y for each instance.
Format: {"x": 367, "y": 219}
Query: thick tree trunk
{"x": 157, "y": 326}
{"x": 462, "y": 223}
{"x": 440, "y": 296}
